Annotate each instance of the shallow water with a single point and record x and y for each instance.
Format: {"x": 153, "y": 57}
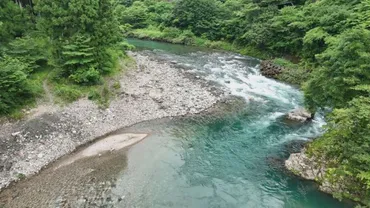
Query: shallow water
{"x": 232, "y": 157}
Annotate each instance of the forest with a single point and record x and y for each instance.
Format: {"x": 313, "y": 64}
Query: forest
{"x": 323, "y": 44}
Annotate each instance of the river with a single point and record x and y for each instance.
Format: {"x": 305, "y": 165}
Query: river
{"x": 232, "y": 157}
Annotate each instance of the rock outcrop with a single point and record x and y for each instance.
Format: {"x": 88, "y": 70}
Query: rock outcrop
{"x": 269, "y": 69}
{"x": 299, "y": 115}
{"x": 304, "y": 166}
{"x": 308, "y": 168}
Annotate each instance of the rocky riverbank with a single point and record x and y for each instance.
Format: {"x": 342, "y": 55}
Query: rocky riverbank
{"x": 310, "y": 169}
{"x": 150, "y": 91}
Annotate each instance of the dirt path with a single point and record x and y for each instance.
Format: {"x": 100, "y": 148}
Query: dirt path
{"x": 49, "y": 96}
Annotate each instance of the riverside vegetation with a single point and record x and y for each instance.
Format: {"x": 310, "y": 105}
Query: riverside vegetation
{"x": 65, "y": 45}
{"x": 323, "y": 45}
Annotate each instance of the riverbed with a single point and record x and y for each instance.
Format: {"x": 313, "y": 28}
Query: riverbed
{"x": 231, "y": 156}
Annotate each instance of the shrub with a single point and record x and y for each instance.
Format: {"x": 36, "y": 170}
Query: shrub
{"x": 32, "y": 51}
{"x": 15, "y": 89}
{"x": 187, "y": 37}
{"x": 171, "y": 32}
{"x": 68, "y": 93}
{"x": 292, "y": 73}
{"x": 90, "y": 76}
{"x": 94, "y": 95}
{"x": 117, "y": 85}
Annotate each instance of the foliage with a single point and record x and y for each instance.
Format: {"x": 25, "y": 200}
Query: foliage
{"x": 68, "y": 93}
{"x": 33, "y": 51}
{"x": 292, "y": 73}
{"x": 345, "y": 65}
{"x": 14, "y": 86}
{"x": 135, "y": 15}
{"x": 198, "y": 16}
{"x": 346, "y": 148}
{"x": 82, "y": 40}
{"x": 14, "y": 21}
{"x": 88, "y": 28}
{"x": 78, "y": 60}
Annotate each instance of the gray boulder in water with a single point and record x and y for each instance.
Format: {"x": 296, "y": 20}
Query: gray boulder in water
{"x": 300, "y": 115}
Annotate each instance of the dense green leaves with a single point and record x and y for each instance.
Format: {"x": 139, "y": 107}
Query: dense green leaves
{"x": 327, "y": 39}
{"x": 345, "y": 64}
{"x": 77, "y": 38}
{"x": 14, "y": 21}
{"x": 200, "y": 16}
{"x": 82, "y": 33}
{"x": 346, "y": 147}
{"x": 14, "y": 87}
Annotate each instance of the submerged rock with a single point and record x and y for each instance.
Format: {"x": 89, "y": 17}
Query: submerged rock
{"x": 299, "y": 115}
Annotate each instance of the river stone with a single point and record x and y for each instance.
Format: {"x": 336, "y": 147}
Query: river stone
{"x": 299, "y": 115}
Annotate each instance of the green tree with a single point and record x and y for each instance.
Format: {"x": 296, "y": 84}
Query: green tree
{"x": 14, "y": 21}
{"x": 345, "y": 65}
{"x": 33, "y": 51}
{"x": 201, "y": 17}
{"x": 135, "y": 15}
{"x": 62, "y": 21}
{"x": 78, "y": 60}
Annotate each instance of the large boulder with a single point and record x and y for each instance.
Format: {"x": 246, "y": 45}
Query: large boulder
{"x": 308, "y": 168}
{"x": 299, "y": 115}
{"x": 269, "y": 69}
{"x": 304, "y": 166}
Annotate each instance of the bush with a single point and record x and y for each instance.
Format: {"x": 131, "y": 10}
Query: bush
{"x": 94, "y": 95}
{"x": 15, "y": 89}
{"x": 116, "y": 85}
{"x": 32, "y": 51}
{"x": 90, "y": 76}
{"x": 68, "y": 93}
{"x": 171, "y": 32}
{"x": 187, "y": 37}
{"x": 104, "y": 99}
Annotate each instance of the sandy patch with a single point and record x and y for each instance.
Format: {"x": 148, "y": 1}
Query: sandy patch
{"x": 111, "y": 143}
